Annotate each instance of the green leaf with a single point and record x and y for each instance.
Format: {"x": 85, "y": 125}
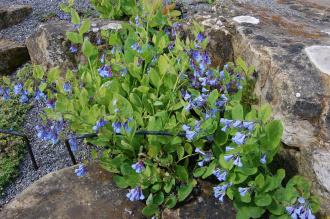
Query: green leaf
{"x": 180, "y": 151}
{"x": 260, "y": 181}
{"x": 120, "y": 181}
{"x": 74, "y": 37}
{"x": 274, "y": 131}
{"x": 170, "y": 201}
{"x": 237, "y": 112}
{"x": 150, "y": 210}
{"x": 262, "y": 200}
{"x": 89, "y": 49}
{"x": 209, "y": 170}
{"x": 38, "y": 72}
{"x": 53, "y": 75}
{"x": 182, "y": 173}
{"x": 86, "y": 24}
{"x": 158, "y": 199}
{"x": 199, "y": 171}
{"x": 247, "y": 212}
{"x": 155, "y": 78}
{"x": 265, "y": 113}
{"x": 184, "y": 191}
{"x": 212, "y": 98}
{"x": 75, "y": 19}
{"x": 220, "y": 138}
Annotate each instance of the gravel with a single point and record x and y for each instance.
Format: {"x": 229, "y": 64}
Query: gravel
{"x": 41, "y": 10}
{"x": 49, "y": 158}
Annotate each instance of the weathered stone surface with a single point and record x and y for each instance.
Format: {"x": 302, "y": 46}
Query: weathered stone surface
{"x": 13, "y": 14}
{"x": 49, "y": 48}
{"x": 203, "y": 206}
{"x": 12, "y": 55}
{"x": 64, "y": 195}
{"x": 290, "y": 77}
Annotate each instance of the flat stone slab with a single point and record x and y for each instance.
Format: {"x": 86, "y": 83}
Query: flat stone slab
{"x": 320, "y": 56}
{"x": 63, "y": 195}
{"x": 12, "y": 55}
{"x": 13, "y": 14}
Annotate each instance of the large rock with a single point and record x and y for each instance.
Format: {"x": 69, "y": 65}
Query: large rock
{"x": 13, "y": 14}
{"x": 288, "y": 44}
{"x": 64, "y": 195}
{"x": 49, "y": 47}
{"x": 12, "y": 55}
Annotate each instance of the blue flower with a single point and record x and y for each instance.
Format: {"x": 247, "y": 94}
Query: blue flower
{"x": 24, "y": 98}
{"x": 220, "y": 191}
{"x": 73, "y": 49}
{"x": 138, "y": 166}
{"x": 200, "y": 38}
{"x": 237, "y": 161}
{"x": 236, "y": 158}
{"x": 239, "y": 138}
{"x": 136, "y": 47}
{"x": 98, "y": 41}
{"x": 207, "y": 157}
{"x": 51, "y": 104}
{"x": 226, "y": 122}
{"x": 237, "y": 124}
{"x": 39, "y": 95}
{"x": 99, "y": 124}
{"x": 18, "y": 89}
{"x": 243, "y": 191}
{"x": 105, "y": 71}
{"x": 248, "y": 125}
{"x": 81, "y": 170}
{"x": 189, "y": 133}
{"x": 220, "y": 174}
{"x": 263, "y": 159}
{"x": 228, "y": 148}
{"x": 135, "y": 194}
{"x": 73, "y": 144}
{"x": 102, "y": 59}
{"x": 137, "y": 21}
{"x": 67, "y": 87}
{"x": 300, "y": 210}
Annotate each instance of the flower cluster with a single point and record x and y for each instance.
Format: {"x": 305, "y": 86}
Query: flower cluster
{"x": 300, "y": 210}
{"x": 220, "y": 174}
{"x": 237, "y": 124}
{"x": 50, "y": 131}
{"x": 17, "y": 90}
{"x": 207, "y": 157}
{"x": 117, "y": 126}
{"x": 191, "y": 134}
{"x": 138, "y": 166}
{"x": 135, "y": 194}
{"x": 220, "y": 191}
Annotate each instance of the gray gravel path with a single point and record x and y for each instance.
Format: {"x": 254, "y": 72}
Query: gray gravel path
{"x": 49, "y": 158}
{"x": 41, "y": 9}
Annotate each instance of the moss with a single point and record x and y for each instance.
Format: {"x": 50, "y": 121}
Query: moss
{"x": 12, "y": 116}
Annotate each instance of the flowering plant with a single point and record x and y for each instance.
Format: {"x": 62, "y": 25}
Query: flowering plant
{"x": 151, "y": 80}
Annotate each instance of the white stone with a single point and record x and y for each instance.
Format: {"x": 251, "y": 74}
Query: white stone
{"x": 326, "y": 31}
{"x": 320, "y": 57}
{"x": 321, "y": 167}
{"x": 246, "y": 19}
{"x": 111, "y": 26}
{"x": 298, "y": 95}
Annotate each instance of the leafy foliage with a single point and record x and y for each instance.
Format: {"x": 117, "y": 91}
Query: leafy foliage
{"x": 151, "y": 79}
{"x": 12, "y": 115}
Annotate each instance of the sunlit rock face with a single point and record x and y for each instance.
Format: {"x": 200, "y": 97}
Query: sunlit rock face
{"x": 288, "y": 43}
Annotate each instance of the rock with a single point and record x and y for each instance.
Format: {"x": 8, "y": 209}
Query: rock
{"x": 64, "y": 195}
{"x": 246, "y": 19}
{"x": 289, "y": 50}
{"x": 49, "y": 48}
{"x": 320, "y": 56}
{"x": 12, "y": 55}
{"x": 202, "y": 206}
{"x": 13, "y": 14}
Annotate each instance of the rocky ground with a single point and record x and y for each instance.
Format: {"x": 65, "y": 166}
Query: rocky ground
{"x": 49, "y": 157}
{"x": 42, "y": 11}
